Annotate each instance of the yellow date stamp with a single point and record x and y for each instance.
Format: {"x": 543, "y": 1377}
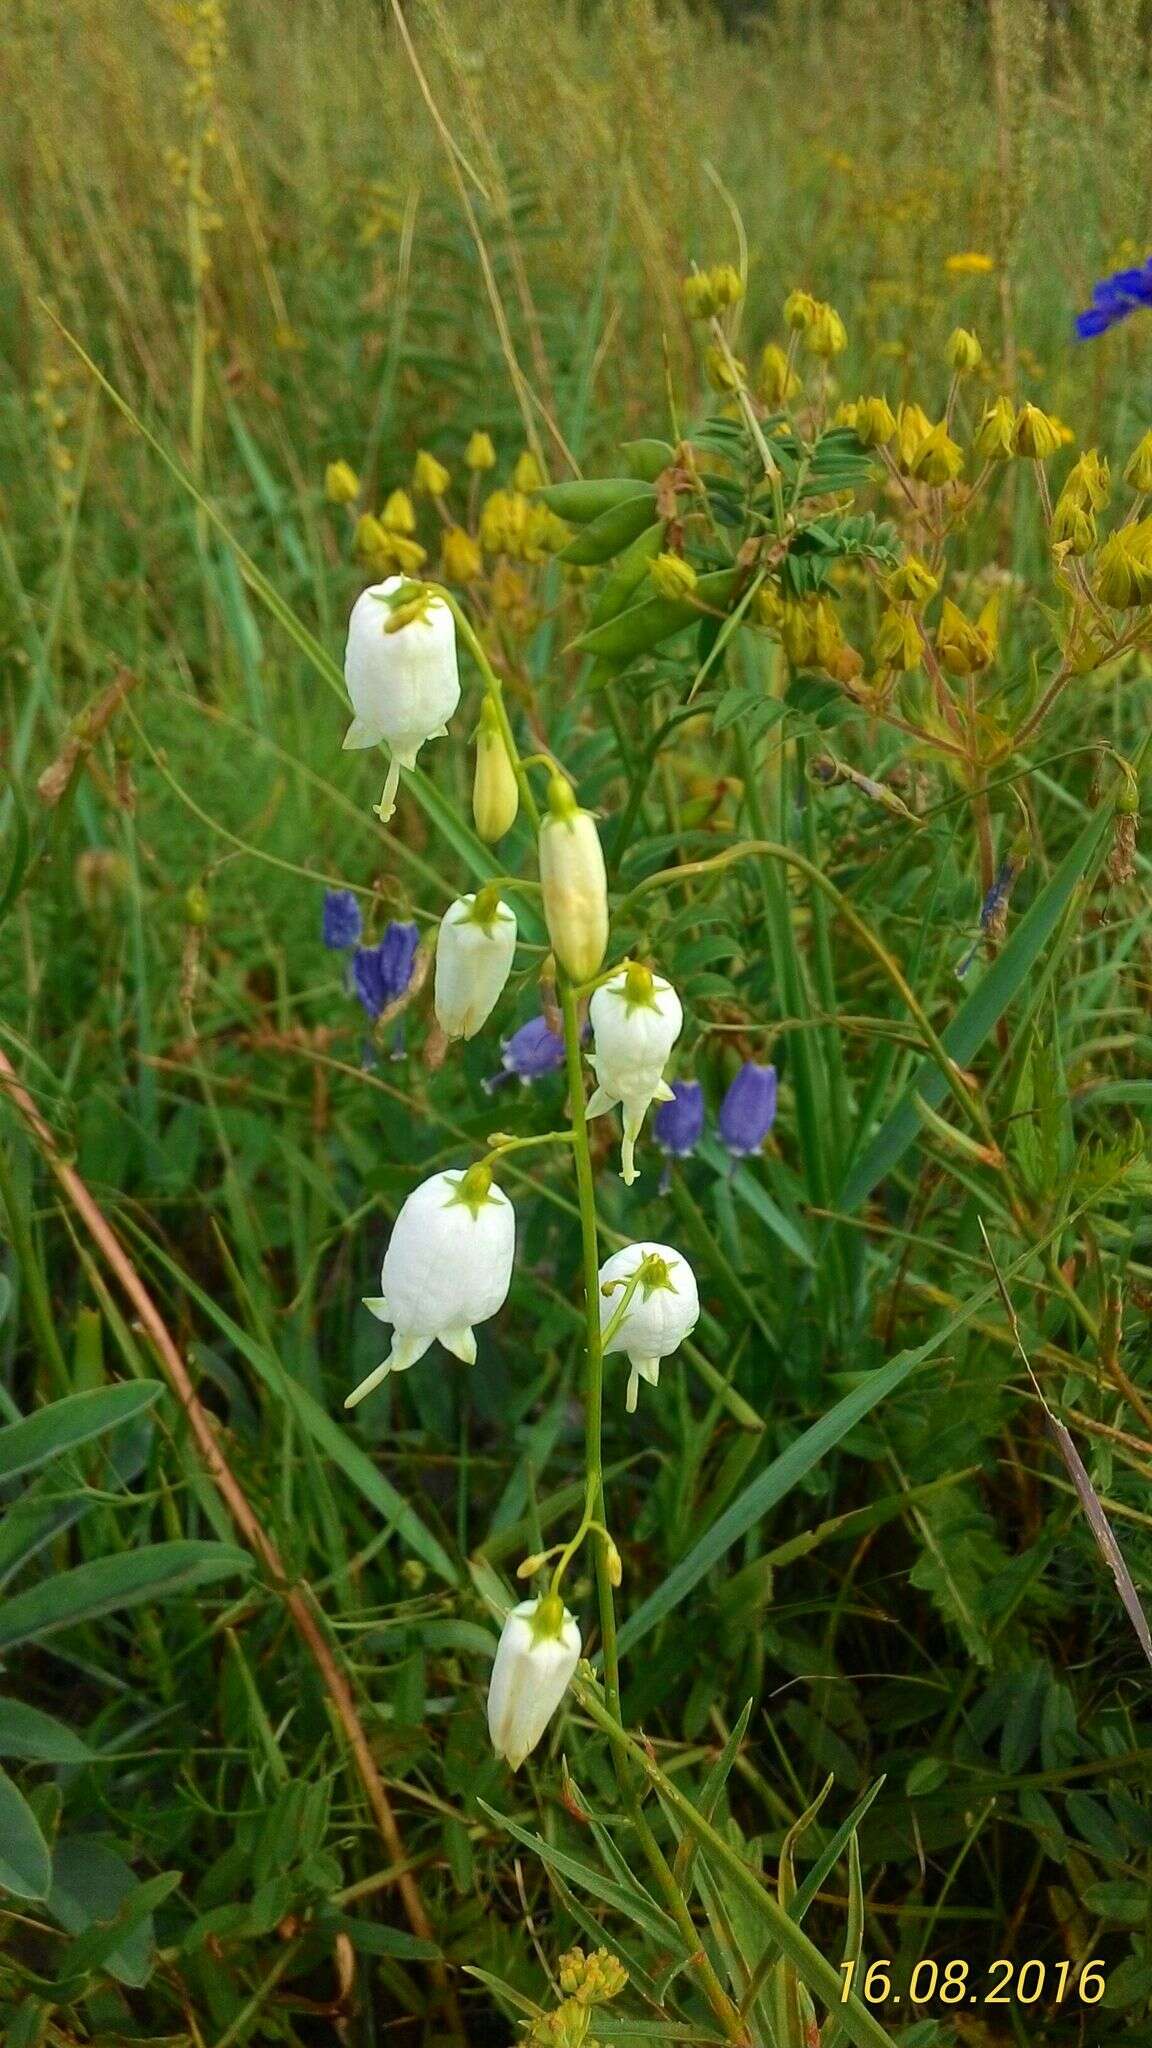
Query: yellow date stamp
{"x": 956, "y": 1982}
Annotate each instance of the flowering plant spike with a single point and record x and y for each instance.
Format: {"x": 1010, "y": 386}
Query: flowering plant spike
{"x": 447, "y": 1267}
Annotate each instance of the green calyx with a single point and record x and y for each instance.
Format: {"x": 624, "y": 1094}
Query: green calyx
{"x": 655, "y": 1273}
{"x": 562, "y": 804}
{"x": 548, "y": 1620}
{"x": 411, "y": 602}
{"x": 474, "y": 1188}
{"x": 639, "y": 990}
{"x": 485, "y": 906}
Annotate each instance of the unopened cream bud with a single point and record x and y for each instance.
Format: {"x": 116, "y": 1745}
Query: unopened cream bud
{"x": 575, "y": 884}
{"x": 495, "y": 790}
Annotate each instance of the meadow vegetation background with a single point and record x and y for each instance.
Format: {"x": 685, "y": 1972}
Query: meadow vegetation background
{"x": 266, "y": 1742}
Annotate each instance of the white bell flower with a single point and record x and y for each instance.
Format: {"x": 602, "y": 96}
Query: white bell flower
{"x": 474, "y": 955}
{"x": 654, "y": 1317}
{"x": 448, "y": 1265}
{"x": 636, "y": 1018}
{"x": 401, "y": 674}
{"x": 538, "y": 1651}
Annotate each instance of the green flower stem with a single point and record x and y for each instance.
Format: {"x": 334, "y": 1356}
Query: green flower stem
{"x": 495, "y": 690}
{"x": 594, "y": 1382}
{"x": 504, "y": 1145}
{"x": 37, "y": 1298}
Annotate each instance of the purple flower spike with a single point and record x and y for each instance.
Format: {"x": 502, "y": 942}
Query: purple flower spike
{"x": 533, "y": 1050}
{"x": 748, "y": 1111}
{"x": 678, "y": 1125}
{"x": 341, "y": 925}
{"x": 381, "y": 974}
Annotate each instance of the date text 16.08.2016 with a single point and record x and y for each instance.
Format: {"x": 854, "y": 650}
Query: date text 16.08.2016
{"x": 960, "y": 1983}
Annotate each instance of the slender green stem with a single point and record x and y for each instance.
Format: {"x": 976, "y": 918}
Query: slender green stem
{"x": 495, "y": 690}
{"x": 594, "y": 1380}
{"x": 31, "y": 1272}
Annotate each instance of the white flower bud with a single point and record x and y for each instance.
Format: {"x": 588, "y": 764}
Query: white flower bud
{"x": 662, "y": 1309}
{"x": 575, "y": 884}
{"x": 538, "y": 1651}
{"x": 636, "y": 1018}
{"x": 448, "y": 1265}
{"x": 474, "y": 954}
{"x": 400, "y": 670}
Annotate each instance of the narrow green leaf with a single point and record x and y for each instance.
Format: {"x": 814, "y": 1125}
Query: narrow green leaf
{"x": 25, "y": 1862}
{"x": 765, "y": 1491}
{"x": 621, "y": 1898}
{"x": 981, "y": 1012}
{"x": 105, "y": 1584}
{"x": 61, "y": 1425}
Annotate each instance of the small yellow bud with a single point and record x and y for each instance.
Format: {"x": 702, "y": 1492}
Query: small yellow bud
{"x": 776, "y": 381}
{"x": 503, "y": 519}
{"x": 875, "y": 422}
{"x": 827, "y": 638}
{"x": 430, "y": 479}
{"x": 369, "y": 538}
{"x": 672, "y": 576}
{"x": 405, "y": 556}
{"x": 722, "y": 370}
{"x": 479, "y": 454}
{"x": 399, "y": 515}
{"x": 913, "y": 583}
{"x": 341, "y": 484}
{"x": 897, "y": 643}
{"x": 709, "y": 292}
{"x": 460, "y": 556}
{"x": 1138, "y": 468}
{"x": 963, "y": 648}
{"x": 1087, "y": 483}
{"x": 545, "y": 533}
{"x": 824, "y": 333}
{"x": 963, "y": 351}
{"x": 968, "y": 263}
{"x": 614, "y": 1564}
{"x": 796, "y": 632}
{"x": 846, "y": 413}
{"x": 1035, "y": 434}
{"x": 993, "y": 439}
{"x": 913, "y": 427}
{"x": 196, "y": 907}
{"x": 1073, "y": 525}
{"x": 495, "y": 791}
{"x": 527, "y": 475}
{"x": 799, "y": 310}
{"x": 768, "y": 606}
{"x": 939, "y": 459}
{"x": 1124, "y": 578}
{"x": 575, "y": 884}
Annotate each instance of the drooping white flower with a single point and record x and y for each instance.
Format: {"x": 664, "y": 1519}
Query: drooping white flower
{"x": 448, "y": 1265}
{"x": 538, "y": 1651}
{"x": 636, "y": 1018}
{"x": 401, "y": 674}
{"x": 655, "y": 1317}
{"x": 474, "y": 954}
{"x": 575, "y": 884}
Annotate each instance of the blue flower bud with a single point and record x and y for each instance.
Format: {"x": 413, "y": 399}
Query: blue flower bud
{"x": 533, "y": 1050}
{"x": 381, "y": 974}
{"x": 677, "y": 1125}
{"x": 341, "y": 924}
{"x": 748, "y": 1111}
